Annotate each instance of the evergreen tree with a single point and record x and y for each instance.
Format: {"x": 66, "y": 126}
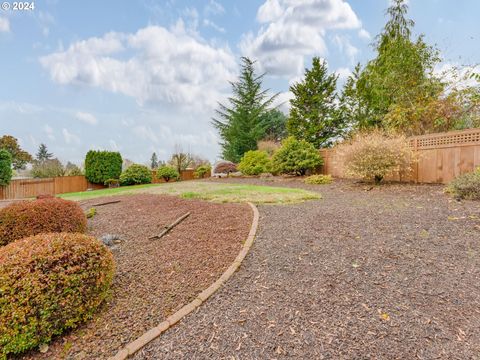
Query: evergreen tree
{"x": 275, "y": 125}
{"x": 241, "y": 123}
{"x": 43, "y": 154}
{"x": 313, "y": 113}
{"x": 400, "y": 75}
{"x": 154, "y": 161}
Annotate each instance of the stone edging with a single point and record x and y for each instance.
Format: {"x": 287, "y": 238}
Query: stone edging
{"x": 155, "y": 332}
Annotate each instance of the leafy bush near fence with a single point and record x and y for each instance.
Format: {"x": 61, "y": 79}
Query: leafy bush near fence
{"x": 202, "y": 170}
{"x": 102, "y": 165}
{"x": 48, "y": 284}
{"x": 27, "y": 218}
{"x": 375, "y": 155}
{"x": 6, "y": 171}
{"x": 136, "y": 174}
{"x": 466, "y": 186}
{"x": 255, "y": 162}
{"x": 319, "y": 179}
{"x": 296, "y": 157}
{"x": 167, "y": 173}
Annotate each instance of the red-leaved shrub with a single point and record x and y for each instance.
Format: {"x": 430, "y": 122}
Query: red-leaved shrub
{"x": 50, "y": 283}
{"x": 29, "y": 218}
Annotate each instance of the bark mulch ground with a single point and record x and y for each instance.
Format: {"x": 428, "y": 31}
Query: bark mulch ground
{"x": 389, "y": 272}
{"x": 154, "y": 278}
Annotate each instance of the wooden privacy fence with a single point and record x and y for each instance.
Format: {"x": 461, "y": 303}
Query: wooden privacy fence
{"x": 27, "y": 188}
{"x": 441, "y": 157}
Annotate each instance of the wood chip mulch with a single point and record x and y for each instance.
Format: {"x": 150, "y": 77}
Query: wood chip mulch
{"x": 391, "y": 272}
{"x": 154, "y": 278}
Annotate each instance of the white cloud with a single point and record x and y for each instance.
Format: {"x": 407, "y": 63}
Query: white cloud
{"x": 458, "y": 76}
{"x": 49, "y": 131}
{"x": 364, "y": 34}
{"x": 214, "y": 8}
{"x": 154, "y": 64}
{"x": 113, "y": 145}
{"x": 4, "y": 24}
{"x": 209, "y": 23}
{"x": 69, "y": 137}
{"x": 145, "y": 133}
{"x": 346, "y": 47}
{"x": 86, "y": 118}
{"x": 294, "y": 29}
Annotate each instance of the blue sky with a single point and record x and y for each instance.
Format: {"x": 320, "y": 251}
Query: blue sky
{"x": 144, "y": 76}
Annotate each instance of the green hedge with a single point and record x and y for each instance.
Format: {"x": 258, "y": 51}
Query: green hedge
{"x": 136, "y": 174}
{"x": 5, "y": 167}
{"x": 102, "y": 165}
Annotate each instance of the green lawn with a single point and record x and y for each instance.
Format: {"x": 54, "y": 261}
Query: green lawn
{"x": 212, "y": 191}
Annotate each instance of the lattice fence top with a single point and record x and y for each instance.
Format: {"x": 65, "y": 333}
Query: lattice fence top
{"x": 449, "y": 139}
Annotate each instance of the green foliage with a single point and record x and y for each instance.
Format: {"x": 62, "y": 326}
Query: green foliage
{"x": 202, "y": 170}
{"x": 319, "y": 179}
{"x": 27, "y": 218}
{"x": 50, "y": 283}
{"x": 47, "y": 169}
{"x": 20, "y": 158}
{"x": 112, "y": 183}
{"x": 91, "y": 213}
{"x": 167, "y": 173}
{"x": 241, "y": 123}
{"x": 154, "y": 161}
{"x": 374, "y": 155}
{"x": 275, "y": 125}
{"x": 43, "y": 154}
{"x": 466, "y": 186}
{"x": 102, "y": 165}
{"x": 136, "y": 174}
{"x": 255, "y": 162}
{"x": 6, "y": 171}
{"x": 72, "y": 170}
{"x": 313, "y": 112}
{"x": 296, "y": 157}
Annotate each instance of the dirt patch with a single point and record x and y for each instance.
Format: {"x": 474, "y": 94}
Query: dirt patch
{"x": 390, "y": 272}
{"x": 154, "y": 278}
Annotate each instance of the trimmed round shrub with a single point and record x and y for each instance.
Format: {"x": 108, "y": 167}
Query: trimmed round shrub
{"x": 48, "y": 284}
{"x": 136, "y": 174}
{"x": 27, "y": 218}
{"x": 319, "y": 179}
{"x": 167, "y": 173}
{"x": 6, "y": 171}
{"x": 102, "y": 165}
{"x": 254, "y": 162}
{"x": 296, "y": 157}
{"x": 466, "y": 186}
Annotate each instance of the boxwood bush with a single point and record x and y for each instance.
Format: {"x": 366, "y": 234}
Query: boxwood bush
{"x": 296, "y": 157}
{"x": 27, "y": 218}
{"x": 136, "y": 174}
{"x": 167, "y": 173}
{"x": 102, "y": 165}
{"x": 202, "y": 170}
{"x": 255, "y": 162}
{"x": 466, "y": 186}
{"x": 48, "y": 284}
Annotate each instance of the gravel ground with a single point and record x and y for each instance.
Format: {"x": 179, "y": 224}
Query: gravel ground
{"x": 154, "y": 278}
{"x": 388, "y": 273}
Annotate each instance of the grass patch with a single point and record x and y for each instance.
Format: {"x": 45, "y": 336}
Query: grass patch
{"x": 211, "y": 191}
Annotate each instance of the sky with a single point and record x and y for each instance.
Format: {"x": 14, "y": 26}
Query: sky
{"x": 143, "y": 76}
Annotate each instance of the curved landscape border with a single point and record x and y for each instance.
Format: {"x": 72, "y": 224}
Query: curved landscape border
{"x": 155, "y": 332}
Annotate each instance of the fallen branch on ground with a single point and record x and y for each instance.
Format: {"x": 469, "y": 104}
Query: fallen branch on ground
{"x": 171, "y": 226}
{"x": 108, "y": 202}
